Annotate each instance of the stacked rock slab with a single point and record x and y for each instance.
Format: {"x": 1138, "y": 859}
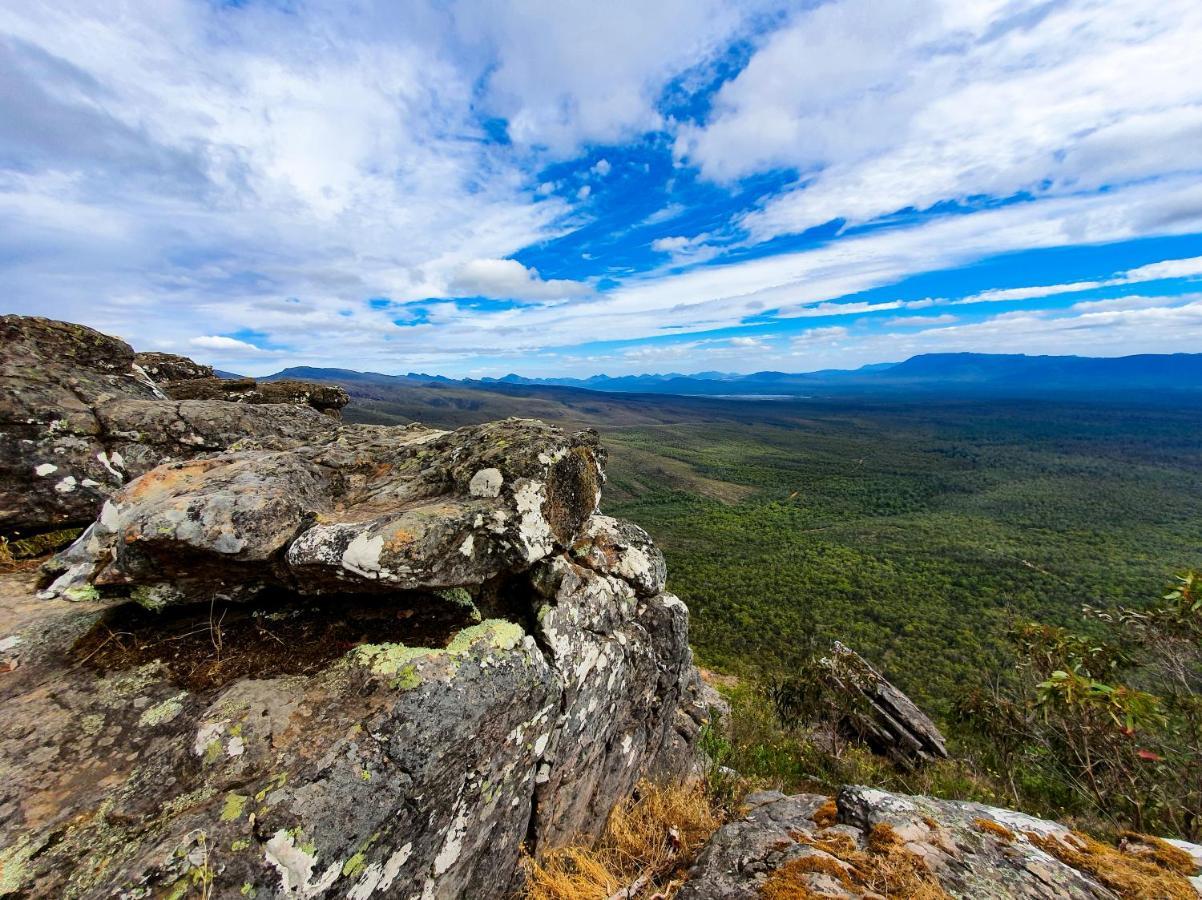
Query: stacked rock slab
{"x": 521, "y": 668}
{"x": 888, "y": 721}
{"x": 80, "y": 417}
{"x": 966, "y": 851}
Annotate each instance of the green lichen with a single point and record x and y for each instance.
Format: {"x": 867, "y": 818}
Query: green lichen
{"x": 248, "y": 889}
{"x": 239, "y": 845}
{"x": 212, "y": 752}
{"x": 162, "y": 712}
{"x": 91, "y": 724}
{"x": 274, "y": 783}
{"x": 188, "y": 801}
{"x": 148, "y": 598}
{"x": 353, "y": 866}
{"x": 12, "y": 866}
{"x": 401, "y": 661}
{"x": 460, "y": 597}
{"x": 234, "y": 804}
{"x": 365, "y": 774}
{"x": 81, "y": 593}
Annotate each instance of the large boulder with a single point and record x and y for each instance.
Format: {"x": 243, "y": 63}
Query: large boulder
{"x": 869, "y": 843}
{"x": 885, "y": 718}
{"x": 79, "y": 417}
{"x": 335, "y": 661}
{"x": 325, "y": 398}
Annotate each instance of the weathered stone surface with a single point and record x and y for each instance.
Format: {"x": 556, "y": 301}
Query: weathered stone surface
{"x": 971, "y": 850}
{"x": 326, "y": 398}
{"x": 624, "y": 550}
{"x": 79, "y": 418}
{"x": 889, "y": 723}
{"x": 296, "y": 659}
{"x": 164, "y": 367}
{"x": 360, "y": 508}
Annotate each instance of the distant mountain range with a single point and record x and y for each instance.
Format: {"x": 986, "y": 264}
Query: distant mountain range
{"x": 1012, "y": 374}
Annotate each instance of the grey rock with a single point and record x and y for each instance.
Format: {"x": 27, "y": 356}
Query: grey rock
{"x": 298, "y": 659}
{"x": 972, "y": 850}
{"x": 325, "y": 398}
{"x": 890, "y": 722}
{"x": 166, "y": 367}
{"x": 79, "y": 418}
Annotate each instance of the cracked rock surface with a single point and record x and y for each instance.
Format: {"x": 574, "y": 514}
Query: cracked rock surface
{"x": 331, "y": 661}
{"x": 80, "y": 417}
{"x": 967, "y": 851}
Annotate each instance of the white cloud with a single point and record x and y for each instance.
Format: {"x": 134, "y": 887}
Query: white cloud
{"x": 601, "y": 167}
{"x": 920, "y": 321}
{"x": 881, "y": 107}
{"x": 509, "y": 279}
{"x": 230, "y": 347}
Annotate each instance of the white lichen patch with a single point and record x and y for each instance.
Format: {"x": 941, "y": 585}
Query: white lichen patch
{"x": 8, "y": 643}
{"x": 392, "y": 867}
{"x": 235, "y": 747}
{"x": 486, "y": 483}
{"x": 206, "y": 734}
{"x": 452, "y": 847}
{"x": 468, "y": 546}
{"x": 362, "y": 555}
{"x": 296, "y": 867}
{"x": 534, "y": 531}
{"x": 45, "y": 469}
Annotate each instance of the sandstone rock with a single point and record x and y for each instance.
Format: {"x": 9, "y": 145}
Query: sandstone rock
{"x": 966, "y": 850}
{"x": 164, "y": 367}
{"x": 325, "y": 398}
{"x": 305, "y": 660}
{"x": 79, "y": 418}
{"x": 889, "y": 722}
{"x": 366, "y": 508}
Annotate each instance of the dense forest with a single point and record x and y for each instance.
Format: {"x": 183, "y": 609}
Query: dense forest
{"x": 917, "y": 533}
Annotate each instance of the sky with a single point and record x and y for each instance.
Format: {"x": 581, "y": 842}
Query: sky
{"x": 555, "y": 188}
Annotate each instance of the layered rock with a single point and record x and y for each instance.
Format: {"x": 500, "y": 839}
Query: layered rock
{"x": 79, "y": 417}
{"x": 871, "y": 843}
{"x": 335, "y": 661}
{"x": 325, "y": 398}
{"x": 886, "y": 719}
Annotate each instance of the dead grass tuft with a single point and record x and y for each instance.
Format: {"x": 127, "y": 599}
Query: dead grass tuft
{"x": 1159, "y": 851}
{"x": 1127, "y": 875}
{"x": 649, "y": 841}
{"x": 991, "y": 827}
{"x": 826, "y": 815}
{"x": 884, "y": 867}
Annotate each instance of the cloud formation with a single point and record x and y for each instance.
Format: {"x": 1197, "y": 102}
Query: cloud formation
{"x": 629, "y": 182}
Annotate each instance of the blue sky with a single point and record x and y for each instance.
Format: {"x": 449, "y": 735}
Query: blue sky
{"x": 471, "y": 188}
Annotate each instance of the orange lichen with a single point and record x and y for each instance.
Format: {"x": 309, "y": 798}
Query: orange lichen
{"x": 1127, "y": 875}
{"x": 991, "y": 827}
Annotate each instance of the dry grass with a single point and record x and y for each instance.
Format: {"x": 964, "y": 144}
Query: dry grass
{"x": 1159, "y": 851}
{"x": 991, "y": 827}
{"x": 1129, "y": 876}
{"x": 650, "y": 839}
{"x": 884, "y": 867}
{"x": 826, "y": 815}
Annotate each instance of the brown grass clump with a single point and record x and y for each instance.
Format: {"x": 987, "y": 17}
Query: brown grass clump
{"x": 826, "y": 815}
{"x": 1128, "y": 876}
{"x": 1160, "y": 852}
{"x": 652, "y": 837}
{"x": 991, "y": 827}
{"x": 885, "y": 867}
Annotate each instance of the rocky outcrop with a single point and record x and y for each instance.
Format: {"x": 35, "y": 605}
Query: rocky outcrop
{"x": 325, "y": 398}
{"x": 167, "y": 367}
{"x": 346, "y": 661}
{"x": 869, "y": 843}
{"x": 79, "y": 418}
{"x": 886, "y": 719}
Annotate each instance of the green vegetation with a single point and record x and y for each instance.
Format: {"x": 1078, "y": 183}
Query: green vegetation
{"x": 917, "y": 534}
